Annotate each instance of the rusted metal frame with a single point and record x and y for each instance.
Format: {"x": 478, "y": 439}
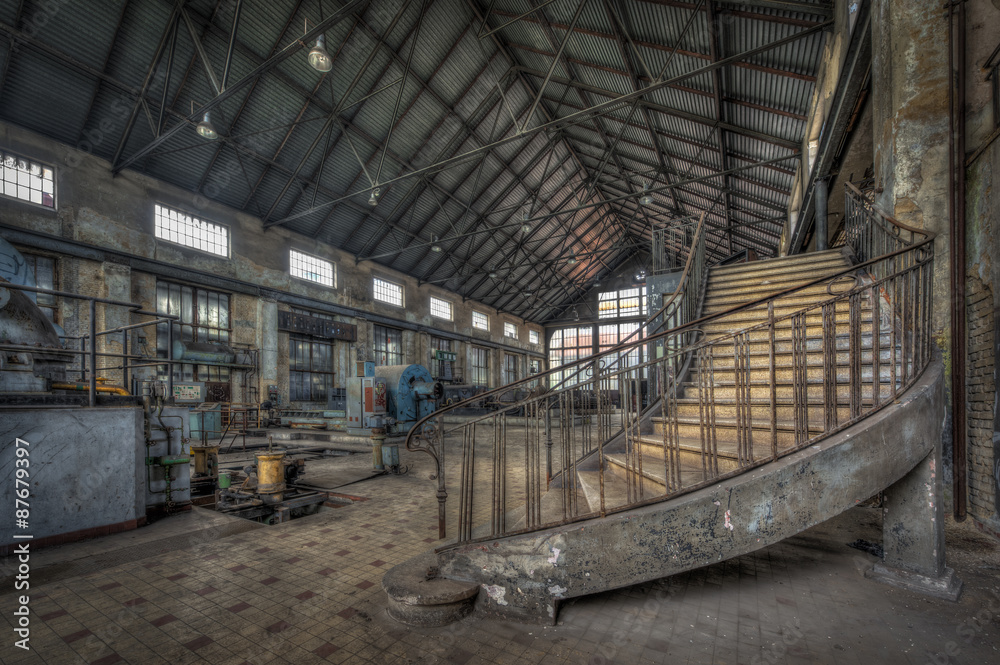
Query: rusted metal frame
{"x": 200, "y": 50}
{"x": 249, "y": 95}
{"x": 130, "y": 123}
{"x": 772, "y": 374}
{"x": 800, "y": 378}
{"x": 507, "y": 256}
{"x": 555, "y": 58}
{"x": 11, "y": 45}
{"x": 576, "y": 117}
{"x": 854, "y": 356}
{"x": 829, "y": 358}
{"x": 621, "y": 36}
{"x": 379, "y": 42}
{"x": 715, "y": 51}
{"x": 166, "y": 86}
{"x": 673, "y": 137}
{"x": 661, "y": 47}
{"x": 489, "y": 10}
{"x": 538, "y": 270}
{"x": 104, "y": 66}
{"x": 265, "y": 67}
{"x": 426, "y": 182}
{"x": 402, "y": 86}
{"x": 232, "y": 43}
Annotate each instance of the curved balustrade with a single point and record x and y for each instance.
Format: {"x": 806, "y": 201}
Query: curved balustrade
{"x": 614, "y": 434}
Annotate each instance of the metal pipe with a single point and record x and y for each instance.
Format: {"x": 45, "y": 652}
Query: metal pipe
{"x": 956, "y": 246}
{"x": 116, "y": 390}
{"x": 170, "y": 357}
{"x": 822, "y": 197}
{"x": 93, "y": 353}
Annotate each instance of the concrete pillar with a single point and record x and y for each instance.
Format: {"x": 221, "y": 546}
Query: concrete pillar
{"x": 267, "y": 330}
{"x": 910, "y": 124}
{"x": 913, "y": 534}
{"x": 117, "y": 286}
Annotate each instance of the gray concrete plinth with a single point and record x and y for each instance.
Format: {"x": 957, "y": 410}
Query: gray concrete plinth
{"x": 913, "y": 534}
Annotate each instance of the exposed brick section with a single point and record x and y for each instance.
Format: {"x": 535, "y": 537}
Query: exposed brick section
{"x": 980, "y": 392}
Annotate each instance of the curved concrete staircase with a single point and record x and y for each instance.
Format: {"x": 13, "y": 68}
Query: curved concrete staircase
{"x": 800, "y": 387}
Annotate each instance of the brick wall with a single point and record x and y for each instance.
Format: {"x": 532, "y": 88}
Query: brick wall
{"x": 981, "y": 394}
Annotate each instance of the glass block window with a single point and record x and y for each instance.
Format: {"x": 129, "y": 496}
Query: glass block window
{"x": 509, "y": 330}
{"x": 310, "y": 369}
{"x": 26, "y": 180}
{"x": 441, "y": 308}
{"x": 480, "y": 320}
{"x": 312, "y": 268}
{"x": 184, "y": 229}
{"x": 388, "y": 292}
{"x": 204, "y": 317}
{"x": 533, "y": 336}
{"x": 388, "y": 346}
{"x": 44, "y": 269}
{"x": 479, "y": 371}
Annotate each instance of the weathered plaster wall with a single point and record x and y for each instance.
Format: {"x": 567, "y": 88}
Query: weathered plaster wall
{"x": 983, "y": 272}
{"x": 116, "y": 213}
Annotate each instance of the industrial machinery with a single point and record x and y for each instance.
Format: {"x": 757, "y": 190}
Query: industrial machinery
{"x": 396, "y": 397}
{"x": 122, "y": 457}
{"x": 205, "y": 476}
{"x": 273, "y": 497}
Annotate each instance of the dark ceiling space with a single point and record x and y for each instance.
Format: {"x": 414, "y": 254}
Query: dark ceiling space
{"x": 467, "y": 117}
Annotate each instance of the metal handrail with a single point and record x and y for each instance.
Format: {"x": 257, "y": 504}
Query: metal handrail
{"x": 884, "y": 316}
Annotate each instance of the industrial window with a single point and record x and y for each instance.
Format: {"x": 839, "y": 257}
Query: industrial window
{"x": 534, "y": 366}
{"x": 388, "y": 292}
{"x": 310, "y": 369}
{"x": 479, "y": 372}
{"x": 26, "y": 180}
{"x": 181, "y": 228}
{"x": 509, "y": 368}
{"x": 566, "y": 346}
{"x": 312, "y": 268}
{"x": 388, "y": 346}
{"x": 627, "y": 302}
{"x": 44, "y": 269}
{"x": 533, "y": 336}
{"x": 509, "y": 330}
{"x": 315, "y": 315}
{"x": 480, "y": 320}
{"x": 441, "y": 369}
{"x": 441, "y": 308}
{"x": 610, "y": 336}
{"x": 204, "y": 317}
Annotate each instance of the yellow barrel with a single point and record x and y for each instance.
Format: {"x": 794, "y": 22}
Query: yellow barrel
{"x": 270, "y": 473}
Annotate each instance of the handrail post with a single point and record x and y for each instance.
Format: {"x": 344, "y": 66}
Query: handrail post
{"x": 93, "y": 353}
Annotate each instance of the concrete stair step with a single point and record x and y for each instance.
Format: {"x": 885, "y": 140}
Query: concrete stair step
{"x": 725, "y": 428}
{"x": 782, "y": 265}
{"x": 837, "y": 252}
{"x": 759, "y": 408}
{"x": 784, "y": 308}
{"x": 724, "y": 298}
{"x": 615, "y": 490}
{"x": 418, "y": 597}
{"x": 785, "y": 374}
{"x": 654, "y": 478}
{"x": 814, "y": 390}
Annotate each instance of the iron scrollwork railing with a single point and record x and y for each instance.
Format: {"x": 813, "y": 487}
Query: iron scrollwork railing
{"x": 715, "y": 396}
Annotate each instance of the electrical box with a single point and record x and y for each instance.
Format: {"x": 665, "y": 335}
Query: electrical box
{"x": 367, "y": 404}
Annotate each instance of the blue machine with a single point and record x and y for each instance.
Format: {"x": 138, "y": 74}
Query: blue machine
{"x": 413, "y": 393}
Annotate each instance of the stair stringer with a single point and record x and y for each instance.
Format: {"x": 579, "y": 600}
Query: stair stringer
{"x": 524, "y": 577}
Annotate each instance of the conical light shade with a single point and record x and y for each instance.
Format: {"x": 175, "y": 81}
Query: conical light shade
{"x": 319, "y": 59}
{"x": 206, "y": 129}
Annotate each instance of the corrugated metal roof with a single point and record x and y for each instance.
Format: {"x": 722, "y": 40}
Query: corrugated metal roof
{"x": 275, "y": 161}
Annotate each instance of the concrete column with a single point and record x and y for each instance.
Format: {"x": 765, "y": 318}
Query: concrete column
{"x": 910, "y": 124}
{"x": 117, "y": 286}
{"x": 913, "y": 534}
{"x": 267, "y": 330}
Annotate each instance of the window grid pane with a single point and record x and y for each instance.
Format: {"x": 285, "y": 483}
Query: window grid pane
{"x": 310, "y": 369}
{"x": 204, "y": 317}
{"x": 509, "y": 330}
{"x": 388, "y": 292}
{"x": 533, "y": 336}
{"x": 183, "y": 229}
{"x": 480, "y": 370}
{"x": 26, "y": 180}
{"x": 388, "y": 346}
{"x": 311, "y": 268}
{"x": 480, "y": 320}
{"x": 441, "y": 308}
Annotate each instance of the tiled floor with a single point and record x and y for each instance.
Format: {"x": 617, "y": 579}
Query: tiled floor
{"x": 308, "y": 592}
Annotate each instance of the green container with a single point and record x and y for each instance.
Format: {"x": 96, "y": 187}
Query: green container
{"x": 223, "y": 480}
